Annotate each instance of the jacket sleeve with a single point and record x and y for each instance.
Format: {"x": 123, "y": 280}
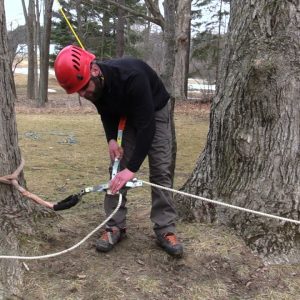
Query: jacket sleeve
{"x": 142, "y": 114}
{"x": 110, "y": 124}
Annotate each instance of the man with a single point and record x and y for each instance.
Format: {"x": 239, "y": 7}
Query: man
{"x": 127, "y": 88}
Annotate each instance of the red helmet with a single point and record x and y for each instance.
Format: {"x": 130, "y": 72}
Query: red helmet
{"x": 72, "y": 68}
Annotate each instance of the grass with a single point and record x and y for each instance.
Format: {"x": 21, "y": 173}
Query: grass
{"x": 64, "y": 153}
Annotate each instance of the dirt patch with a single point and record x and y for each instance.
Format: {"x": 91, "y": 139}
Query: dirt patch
{"x": 138, "y": 269}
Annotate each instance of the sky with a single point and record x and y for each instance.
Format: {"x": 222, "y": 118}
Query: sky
{"x": 15, "y": 16}
{"x": 14, "y": 13}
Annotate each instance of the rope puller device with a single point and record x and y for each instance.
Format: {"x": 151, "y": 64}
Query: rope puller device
{"x": 72, "y": 200}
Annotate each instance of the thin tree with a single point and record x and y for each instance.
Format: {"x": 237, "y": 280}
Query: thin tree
{"x": 30, "y": 19}
{"x": 251, "y": 158}
{"x": 44, "y": 53}
{"x": 120, "y": 47}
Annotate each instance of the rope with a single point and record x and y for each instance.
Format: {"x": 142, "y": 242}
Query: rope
{"x": 160, "y": 187}
{"x": 223, "y": 204}
{"x": 69, "y": 24}
{"x": 12, "y": 179}
{"x": 71, "y": 248}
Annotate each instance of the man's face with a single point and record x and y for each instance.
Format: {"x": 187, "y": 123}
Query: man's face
{"x": 93, "y": 89}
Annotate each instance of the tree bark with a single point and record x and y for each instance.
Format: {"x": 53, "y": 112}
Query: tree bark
{"x": 11, "y": 272}
{"x": 44, "y": 55}
{"x": 252, "y": 154}
{"x": 169, "y": 44}
{"x": 37, "y": 43}
{"x": 120, "y": 47}
{"x": 169, "y": 64}
{"x": 182, "y": 45}
{"x": 30, "y": 19}
{"x": 15, "y": 212}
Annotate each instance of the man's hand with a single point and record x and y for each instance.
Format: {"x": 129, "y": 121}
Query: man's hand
{"x": 115, "y": 151}
{"x": 120, "y": 180}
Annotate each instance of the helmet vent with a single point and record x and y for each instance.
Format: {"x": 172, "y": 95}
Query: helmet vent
{"x": 76, "y": 67}
{"x": 75, "y": 50}
{"x": 77, "y": 57}
{"x": 76, "y": 64}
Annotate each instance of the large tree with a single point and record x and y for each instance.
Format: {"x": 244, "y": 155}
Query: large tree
{"x": 15, "y": 212}
{"x": 252, "y": 154}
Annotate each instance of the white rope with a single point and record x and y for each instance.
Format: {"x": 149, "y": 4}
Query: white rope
{"x": 223, "y": 204}
{"x": 71, "y": 248}
{"x": 119, "y": 204}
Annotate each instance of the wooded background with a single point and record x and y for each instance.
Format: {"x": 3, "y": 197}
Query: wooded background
{"x": 179, "y": 39}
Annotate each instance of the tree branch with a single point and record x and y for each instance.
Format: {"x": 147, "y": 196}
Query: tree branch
{"x": 154, "y": 9}
{"x": 156, "y": 19}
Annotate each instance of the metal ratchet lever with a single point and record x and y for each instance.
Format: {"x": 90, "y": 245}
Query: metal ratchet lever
{"x": 105, "y": 187}
{"x": 115, "y": 168}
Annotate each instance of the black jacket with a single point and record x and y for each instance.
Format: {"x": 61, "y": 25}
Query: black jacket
{"x": 131, "y": 89}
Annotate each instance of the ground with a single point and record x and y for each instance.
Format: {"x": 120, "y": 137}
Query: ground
{"x": 62, "y": 148}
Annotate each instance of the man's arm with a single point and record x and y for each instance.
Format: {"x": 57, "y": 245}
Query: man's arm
{"x": 143, "y": 119}
{"x": 110, "y": 125}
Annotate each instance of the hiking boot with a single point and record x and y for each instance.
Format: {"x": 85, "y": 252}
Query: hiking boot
{"x": 170, "y": 244}
{"x": 109, "y": 238}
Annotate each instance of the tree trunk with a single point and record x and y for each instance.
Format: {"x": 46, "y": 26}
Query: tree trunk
{"x": 44, "y": 55}
{"x": 37, "y": 42}
{"x": 146, "y": 39}
{"x": 169, "y": 45}
{"x": 105, "y": 33}
{"x": 182, "y": 48}
{"x": 14, "y": 212}
{"x": 120, "y": 39}
{"x": 82, "y": 25}
{"x": 252, "y": 154}
{"x": 30, "y": 19}
{"x": 169, "y": 63}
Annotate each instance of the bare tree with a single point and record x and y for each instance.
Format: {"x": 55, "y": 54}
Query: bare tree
{"x": 252, "y": 154}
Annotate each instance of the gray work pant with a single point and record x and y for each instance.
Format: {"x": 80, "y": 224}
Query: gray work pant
{"x": 163, "y": 213}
